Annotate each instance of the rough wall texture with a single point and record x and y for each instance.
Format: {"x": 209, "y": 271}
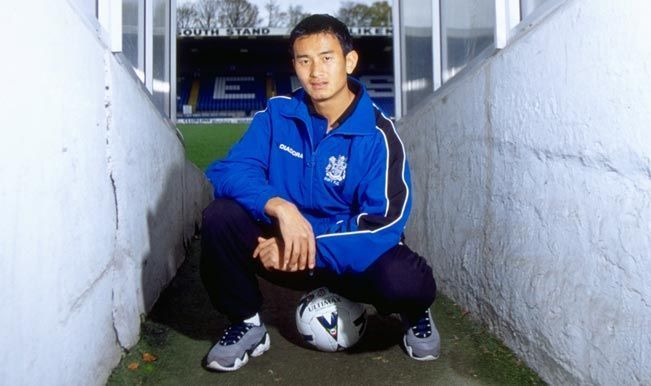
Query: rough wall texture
{"x": 97, "y": 199}
{"x": 532, "y": 178}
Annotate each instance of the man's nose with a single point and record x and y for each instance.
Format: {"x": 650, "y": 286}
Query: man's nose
{"x": 316, "y": 69}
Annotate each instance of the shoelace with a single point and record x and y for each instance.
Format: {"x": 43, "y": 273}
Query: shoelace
{"x": 234, "y": 333}
{"x": 423, "y": 327}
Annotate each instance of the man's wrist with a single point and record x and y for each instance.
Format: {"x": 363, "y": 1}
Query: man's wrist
{"x": 274, "y": 206}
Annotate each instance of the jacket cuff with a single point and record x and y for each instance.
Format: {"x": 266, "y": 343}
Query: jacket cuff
{"x": 260, "y": 202}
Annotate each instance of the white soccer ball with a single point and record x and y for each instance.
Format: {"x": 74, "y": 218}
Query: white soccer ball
{"x": 329, "y": 321}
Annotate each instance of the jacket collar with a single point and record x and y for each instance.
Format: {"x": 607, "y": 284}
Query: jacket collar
{"x": 357, "y": 119}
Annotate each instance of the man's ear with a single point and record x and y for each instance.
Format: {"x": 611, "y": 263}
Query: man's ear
{"x": 351, "y": 61}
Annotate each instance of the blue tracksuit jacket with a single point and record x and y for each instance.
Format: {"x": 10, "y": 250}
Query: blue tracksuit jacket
{"x": 353, "y": 186}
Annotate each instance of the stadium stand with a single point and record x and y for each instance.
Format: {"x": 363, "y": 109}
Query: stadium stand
{"x": 228, "y": 95}
{"x": 285, "y": 84}
{"x": 182, "y": 93}
{"x": 380, "y": 89}
{"x": 232, "y": 77}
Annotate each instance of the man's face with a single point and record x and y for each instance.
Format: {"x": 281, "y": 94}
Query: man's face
{"x": 322, "y": 68}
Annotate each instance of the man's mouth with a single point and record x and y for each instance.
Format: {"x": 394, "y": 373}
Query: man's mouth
{"x": 318, "y": 85}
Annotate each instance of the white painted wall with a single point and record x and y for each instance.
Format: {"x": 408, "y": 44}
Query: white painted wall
{"x": 532, "y": 178}
{"x": 96, "y": 198}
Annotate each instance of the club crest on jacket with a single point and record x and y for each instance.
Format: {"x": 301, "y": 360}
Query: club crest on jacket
{"x": 336, "y": 170}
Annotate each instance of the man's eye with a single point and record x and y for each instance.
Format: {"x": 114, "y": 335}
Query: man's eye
{"x": 327, "y": 58}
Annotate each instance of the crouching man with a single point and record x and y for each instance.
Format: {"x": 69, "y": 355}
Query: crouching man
{"x": 316, "y": 193}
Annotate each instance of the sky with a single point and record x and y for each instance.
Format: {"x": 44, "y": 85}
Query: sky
{"x": 311, "y": 6}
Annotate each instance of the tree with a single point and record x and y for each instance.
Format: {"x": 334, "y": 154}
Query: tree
{"x": 355, "y": 14}
{"x": 186, "y": 16}
{"x": 276, "y": 18}
{"x": 238, "y": 13}
{"x": 207, "y": 13}
{"x": 380, "y": 12}
{"x": 295, "y": 14}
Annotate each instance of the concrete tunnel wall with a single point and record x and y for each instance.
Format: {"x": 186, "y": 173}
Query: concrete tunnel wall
{"x": 97, "y": 198}
{"x": 532, "y": 186}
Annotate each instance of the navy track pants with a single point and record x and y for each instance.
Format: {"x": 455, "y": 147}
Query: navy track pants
{"x": 399, "y": 281}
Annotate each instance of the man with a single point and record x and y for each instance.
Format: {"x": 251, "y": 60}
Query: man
{"x": 316, "y": 193}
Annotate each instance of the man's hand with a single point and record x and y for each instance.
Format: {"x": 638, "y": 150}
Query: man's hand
{"x": 299, "y": 245}
{"x": 268, "y": 250}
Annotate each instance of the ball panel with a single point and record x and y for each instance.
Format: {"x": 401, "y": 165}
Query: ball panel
{"x": 323, "y": 339}
{"x": 329, "y": 321}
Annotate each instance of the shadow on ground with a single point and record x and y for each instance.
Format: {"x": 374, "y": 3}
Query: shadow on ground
{"x": 183, "y": 326}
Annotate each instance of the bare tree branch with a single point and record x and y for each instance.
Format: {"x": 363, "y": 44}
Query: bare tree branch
{"x": 295, "y": 14}
{"x": 238, "y": 13}
{"x": 207, "y": 13}
{"x": 275, "y": 17}
{"x": 186, "y": 16}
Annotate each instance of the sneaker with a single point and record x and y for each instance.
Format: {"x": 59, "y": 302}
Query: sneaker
{"x": 422, "y": 341}
{"x": 239, "y": 341}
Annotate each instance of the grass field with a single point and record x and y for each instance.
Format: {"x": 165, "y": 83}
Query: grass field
{"x": 182, "y": 327}
{"x": 205, "y": 143}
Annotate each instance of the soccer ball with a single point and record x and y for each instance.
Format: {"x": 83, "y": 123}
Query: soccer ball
{"x": 329, "y": 321}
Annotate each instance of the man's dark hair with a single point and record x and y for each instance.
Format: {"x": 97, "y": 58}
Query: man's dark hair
{"x": 322, "y": 23}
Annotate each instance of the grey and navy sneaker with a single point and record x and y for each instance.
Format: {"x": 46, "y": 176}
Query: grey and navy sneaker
{"x": 240, "y": 340}
{"x": 422, "y": 341}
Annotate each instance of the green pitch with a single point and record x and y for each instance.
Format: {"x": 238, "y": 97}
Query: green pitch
{"x": 182, "y": 327}
{"x": 205, "y": 143}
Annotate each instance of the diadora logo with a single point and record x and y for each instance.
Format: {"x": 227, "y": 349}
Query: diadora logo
{"x": 336, "y": 170}
{"x": 291, "y": 151}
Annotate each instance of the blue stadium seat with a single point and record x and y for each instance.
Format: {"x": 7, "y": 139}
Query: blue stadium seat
{"x": 184, "y": 86}
{"x": 380, "y": 89}
{"x": 245, "y": 94}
